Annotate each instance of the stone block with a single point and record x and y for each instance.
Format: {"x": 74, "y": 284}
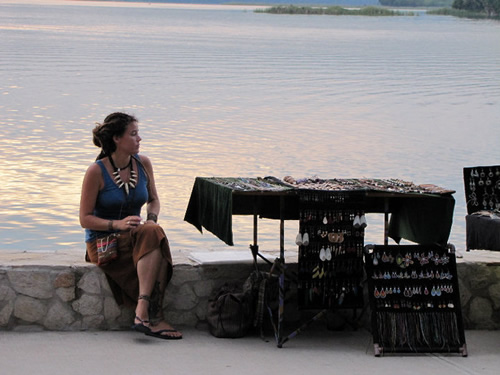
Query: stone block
{"x": 184, "y": 275}
{"x": 185, "y": 299}
{"x": 463, "y": 270}
{"x": 76, "y": 326}
{"x": 481, "y": 312}
{"x": 59, "y": 317}
{"x": 494, "y": 291}
{"x": 111, "y": 309}
{"x": 6, "y": 293}
{"x": 480, "y": 278}
{"x": 228, "y": 272}
{"x": 66, "y": 294}
{"x": 65, "y": 279}
{"x": 201, "y": 310}
{"x": 126, "y": 318}
{"x": 178, "y": 318}
{"x": 465, "y": 294}
{"x": 204, "y": 288}
{"x": 6, "y": 313}
{"x": 105, "y": 288}
{"x": 28, "y": 328}
{"x": 34, "y": 283}
{"x": 29, "y": 309}
{"x": 88, "y": 305}
{"x": 93, "y": 322}
{"x": 90, "y": 283}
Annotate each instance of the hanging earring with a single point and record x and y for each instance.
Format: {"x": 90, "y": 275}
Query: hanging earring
{"x": 305, "y": 239}
{"x": 322, "y": 255}
{"x": 328, "y": 253}
{"x": 356, "y": 224}
{"x": 362, "y": 221}
{"x": 298, "y": 239}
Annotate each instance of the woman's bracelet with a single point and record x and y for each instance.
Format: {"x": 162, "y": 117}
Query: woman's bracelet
{"x": 153, "y": 217}
{"x": 110, "y": 226}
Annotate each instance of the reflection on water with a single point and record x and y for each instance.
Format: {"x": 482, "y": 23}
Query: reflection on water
{"x": 227, "y": 92}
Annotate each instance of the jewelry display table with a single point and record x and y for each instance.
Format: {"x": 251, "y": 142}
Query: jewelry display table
{"x": 330, "y": 212}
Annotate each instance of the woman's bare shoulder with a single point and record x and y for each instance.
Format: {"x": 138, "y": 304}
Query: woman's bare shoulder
{"x": 94, "y": 169}
{"x": 146, "y": 161}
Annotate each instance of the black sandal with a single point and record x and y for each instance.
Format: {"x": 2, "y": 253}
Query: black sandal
{"x": 143, "y": 325}
{"x": 160, "y": 334}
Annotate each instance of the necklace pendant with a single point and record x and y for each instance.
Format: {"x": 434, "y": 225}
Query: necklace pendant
{"x": 126, "y": 188}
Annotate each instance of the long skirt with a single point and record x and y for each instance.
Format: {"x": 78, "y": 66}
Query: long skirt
{"x": 132, "y": 246}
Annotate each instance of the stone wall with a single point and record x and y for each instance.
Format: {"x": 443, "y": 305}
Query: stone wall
{"x": 45, "y": 297}
{"x": 479, "y": 285}
{"x": 79, "y": 298}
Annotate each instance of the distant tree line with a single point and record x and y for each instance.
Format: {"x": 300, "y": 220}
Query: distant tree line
{"x": 332, "y": 11}
{"x": 490, "y": 7}
{"x": 416, "y": 3}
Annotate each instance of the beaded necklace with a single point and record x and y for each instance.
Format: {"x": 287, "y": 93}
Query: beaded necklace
{"x": 131, "y": 181}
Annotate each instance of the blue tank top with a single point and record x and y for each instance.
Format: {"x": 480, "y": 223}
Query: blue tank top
{"x": 114, "y": 204}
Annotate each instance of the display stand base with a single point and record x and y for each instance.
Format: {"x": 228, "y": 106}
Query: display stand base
{"x": 462, "y": 350}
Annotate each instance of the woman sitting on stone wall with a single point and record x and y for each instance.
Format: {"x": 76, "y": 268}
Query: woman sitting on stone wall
{"x": 114, "y": 190}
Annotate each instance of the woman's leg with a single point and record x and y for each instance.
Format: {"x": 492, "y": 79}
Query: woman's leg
{"x": 152, "y": 272}
{"x": 148, "y": 269}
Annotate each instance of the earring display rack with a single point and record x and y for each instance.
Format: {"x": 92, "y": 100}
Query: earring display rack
{"x": 331, "y": 241}
{"x": 414, "y": 299}
{"x": 482, "y": 184}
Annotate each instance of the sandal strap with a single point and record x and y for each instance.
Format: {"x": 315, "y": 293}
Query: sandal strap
{"x": 144, "y": 297}
{"x": 142, "y": 321}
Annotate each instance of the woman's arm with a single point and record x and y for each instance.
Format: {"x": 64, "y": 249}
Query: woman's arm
{"x": 153, "y": 207}
{"x": 90, "y": 189}
{"x": 92, "y": 183}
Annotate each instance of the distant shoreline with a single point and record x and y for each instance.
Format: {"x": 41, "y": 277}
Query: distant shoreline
{"x": 126, "y": 4}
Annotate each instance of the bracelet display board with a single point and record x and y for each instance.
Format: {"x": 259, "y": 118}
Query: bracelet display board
{"x": 331, "y": 243}
{"x": 414, "y": 299}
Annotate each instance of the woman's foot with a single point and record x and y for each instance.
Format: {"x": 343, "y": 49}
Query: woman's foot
{"x": 141, "y": 325}
{"x": 165, "y": 331}
{"x": 141, "y": 320}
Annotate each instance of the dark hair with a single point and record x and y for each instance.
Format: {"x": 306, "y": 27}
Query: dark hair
{"x": 114, "y": 124}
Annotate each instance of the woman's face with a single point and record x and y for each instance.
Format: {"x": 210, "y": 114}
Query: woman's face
{"x": 129, "y": 142}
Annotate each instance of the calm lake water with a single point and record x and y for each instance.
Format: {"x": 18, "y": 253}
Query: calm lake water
{"x": 224, "y": 91}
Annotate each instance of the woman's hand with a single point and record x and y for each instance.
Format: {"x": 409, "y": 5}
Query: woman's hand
{"x": 127, "y": 223}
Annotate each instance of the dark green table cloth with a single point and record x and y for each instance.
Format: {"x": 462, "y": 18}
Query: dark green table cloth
{"x": 418, "y": 217}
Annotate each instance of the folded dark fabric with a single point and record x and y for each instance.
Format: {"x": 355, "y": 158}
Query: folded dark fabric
{"x": 425, "y": 220}
{"x": 211, "y": 206}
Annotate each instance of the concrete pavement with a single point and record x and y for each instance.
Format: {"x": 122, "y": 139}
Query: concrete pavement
{"x": 315, "y": 351}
